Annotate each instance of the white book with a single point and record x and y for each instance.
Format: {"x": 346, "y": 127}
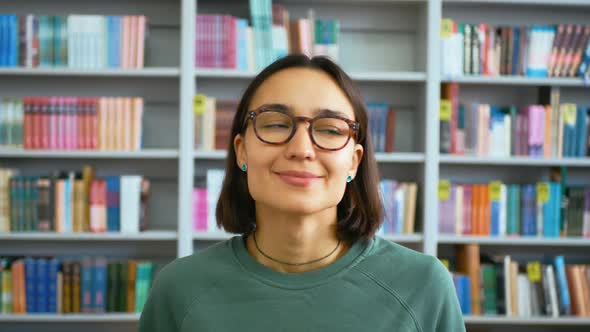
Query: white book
{"x": 524, "y": 295}
{"x": 400, "y": 203}
{"x": 251, "y": 58}
{"x": 507, "y": 286}
{"x": 29, "y": 40}
{"x": 209, "y": 124}
{"x": 130, "y": 202}
{"x": 540, "y": 216}
{"x": 552, "y": 291}
{"x": 72, "y": 36}
{"x": 214, "y": 183}
{"x": 507, "y": 136}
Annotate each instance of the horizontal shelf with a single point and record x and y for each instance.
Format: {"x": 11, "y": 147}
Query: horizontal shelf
{"x": 396, "y": 157}
{"x": 506, "y": 320}
{"x": 70, "y": 318}
{"x": 81, "y": 154}
{"x": 49, "y": 236}
{"x": 400, "y": 238}
{"x": 519, "y": 80}
{"x": 583, "y": 3}
{"x": 403, "y": 238}
{"x": 212, "y": 236}
{"x": 107, "y": 72}
{"x": 522, "y": 161}
{"x": 515, "y": 241}
{"x": 381, "y": 76}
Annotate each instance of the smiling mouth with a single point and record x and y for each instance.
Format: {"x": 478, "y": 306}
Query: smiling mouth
{"x": 298, "y": 179}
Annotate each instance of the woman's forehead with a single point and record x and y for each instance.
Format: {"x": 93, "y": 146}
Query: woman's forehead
{"x": 304, "y": 91}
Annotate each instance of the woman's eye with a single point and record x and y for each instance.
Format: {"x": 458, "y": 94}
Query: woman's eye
{"x": 329, "y": 131}
{"x": 276, "y": 125}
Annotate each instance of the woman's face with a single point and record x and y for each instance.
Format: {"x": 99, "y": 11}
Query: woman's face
{"x": 304, "y": 92}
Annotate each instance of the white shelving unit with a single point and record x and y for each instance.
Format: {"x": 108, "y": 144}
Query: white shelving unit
{"x": 399, "y": 64}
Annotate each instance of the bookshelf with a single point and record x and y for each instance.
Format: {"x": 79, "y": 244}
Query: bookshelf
{"x": 401, "y": 67}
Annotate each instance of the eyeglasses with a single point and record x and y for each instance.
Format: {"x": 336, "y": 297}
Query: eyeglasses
{"x": 327, "y": 131}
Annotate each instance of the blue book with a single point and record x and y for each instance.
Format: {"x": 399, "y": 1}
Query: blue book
{"x": 52, "y": 296}
{"x": 30, "y": 285}
{"x": 100, "y": 285}
{"x": 457, "y": 281}
{"x": 529, "y": 224}
{"x": 557, "y": 194}
{"x": 3, "y": 41}
{"x": 86, "y": 286}
{"x": 564, "y": 295}
{"x": 515, "y": 50}
{"x": 116, "y": 45}
{"x": 13, "y": 37}
{"x": 581, "y": 132}
{"x": 42, "y": 285}
{"x": 242, "y": 47}
{"x": 113, "y": 207}
{"x": 495, "y": 217}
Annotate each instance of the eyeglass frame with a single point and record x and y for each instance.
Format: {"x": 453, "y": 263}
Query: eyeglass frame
{"x": 353, "y": 126}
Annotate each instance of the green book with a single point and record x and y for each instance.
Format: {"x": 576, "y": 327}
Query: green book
{"x": 122, "y": 288}
{"x": 489, "y": 306}
{"x": 112, "y": 287}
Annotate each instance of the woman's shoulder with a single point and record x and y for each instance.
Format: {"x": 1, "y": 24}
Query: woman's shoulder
{"x": 201, "y": 268}
{"x": 396, "y": 265}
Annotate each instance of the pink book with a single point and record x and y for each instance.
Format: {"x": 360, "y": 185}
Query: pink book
{"x": 141, "y": 32}
{"x": 137, "y": 121}
{"x": 60, "y": 123}
{"x": 111, "y": 123}
{"x": 93, "y": 123}
{"x": 229, "y": 39}
{"x": 200, "y": 209}
{"x": 132, "y": 42}
{"x": 26, "y": 123}
{"x": 80, "y": 142}
{"x": 102, "y": 123}
{"x": 126, "y": 130}
{"x": 98, "y": 205}
{"x": 125, "y": 20}
{"x": 73, "y": 137}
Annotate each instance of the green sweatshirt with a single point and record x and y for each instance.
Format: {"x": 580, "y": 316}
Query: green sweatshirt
{"x": 376, "y": 286}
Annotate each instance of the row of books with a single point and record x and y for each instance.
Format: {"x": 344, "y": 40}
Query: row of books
{"x": 562, "y": 50}
{"x": 31, "y": 285}
{"x": 501, "y": 285}
{"x": 206, "y": 193}
{"x": 399, "y": 202}
{"x": 72, "y": 123}
{"x": 72, "y": 41}
{"x": 213, "y": 120}
{"x": 70, "y": 201}
{"x": 501, "y": 209}
{"x": 224, "y": 41}
{"x": 551, "y": 130}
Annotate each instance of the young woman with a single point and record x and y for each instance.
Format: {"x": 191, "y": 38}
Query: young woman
{"x": 301, "y": 188}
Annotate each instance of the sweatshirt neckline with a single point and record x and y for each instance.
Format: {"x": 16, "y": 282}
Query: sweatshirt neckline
{"x": 298, "y": 280}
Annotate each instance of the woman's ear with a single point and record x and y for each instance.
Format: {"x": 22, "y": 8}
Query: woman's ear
{"x": 240, "y": 148}
{"x": 357, "y": 156}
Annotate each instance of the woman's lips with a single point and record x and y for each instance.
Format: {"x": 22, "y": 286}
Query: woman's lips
{"x": 299, "y": 179}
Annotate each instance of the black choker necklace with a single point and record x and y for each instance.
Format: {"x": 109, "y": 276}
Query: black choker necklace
{"x": 293, "y": 264}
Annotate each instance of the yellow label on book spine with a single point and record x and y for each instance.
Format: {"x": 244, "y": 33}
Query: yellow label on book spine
{"x": 446, "y": 28}
{"x": 543, "y": 192}
{"x": 444, "y": 190}
{"x": 445, "y": 110}
{"x": 199, "y": 103}
{"x": 534, "y": 271}
{"x": 569, "y": 114}
{"x": 495, "y": 188}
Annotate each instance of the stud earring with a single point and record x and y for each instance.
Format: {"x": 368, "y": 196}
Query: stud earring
{"x": 348, "y": 179}
{"x": 244, "y": 167}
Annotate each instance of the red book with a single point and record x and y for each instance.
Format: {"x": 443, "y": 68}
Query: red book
{"x": 229, "y": 38}
{"x": 26, "y": 123}
{"x": 44, "y": 123}
{"x": 52, "y": 125}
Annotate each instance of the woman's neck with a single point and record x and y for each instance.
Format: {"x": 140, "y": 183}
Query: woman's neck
{"x": 295, "y": 239}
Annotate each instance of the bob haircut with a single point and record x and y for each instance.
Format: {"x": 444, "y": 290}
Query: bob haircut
{"x": 360, "y": 210}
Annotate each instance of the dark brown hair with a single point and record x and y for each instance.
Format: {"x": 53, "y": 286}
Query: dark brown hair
{"x": 360, "y": 210}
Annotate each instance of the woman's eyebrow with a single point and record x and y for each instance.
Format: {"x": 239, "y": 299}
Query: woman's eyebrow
{"x": 327, "y": 111}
